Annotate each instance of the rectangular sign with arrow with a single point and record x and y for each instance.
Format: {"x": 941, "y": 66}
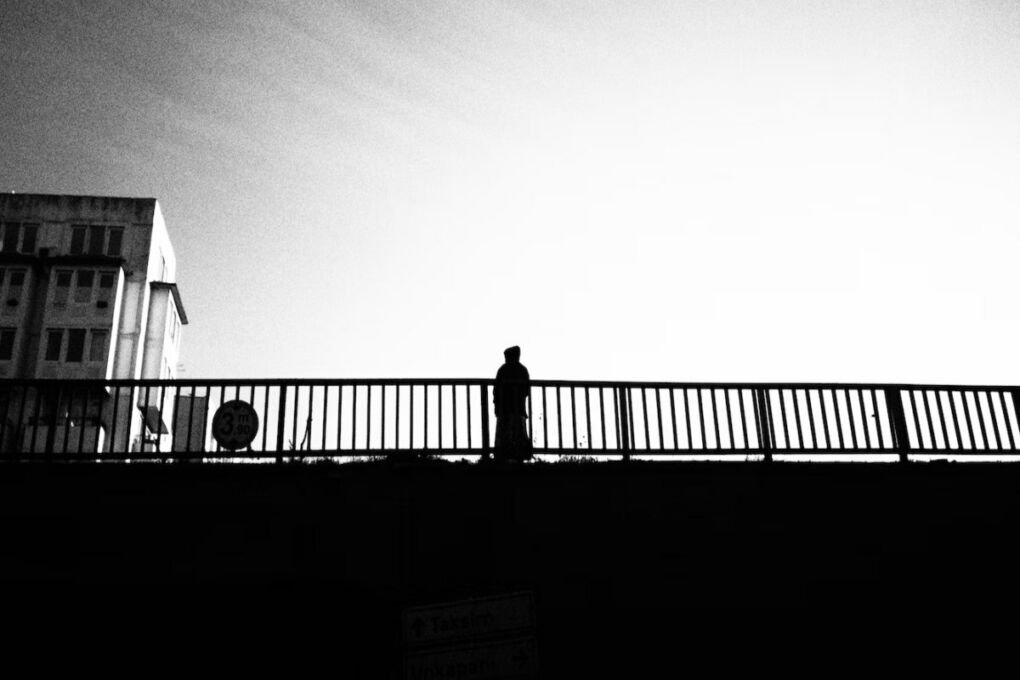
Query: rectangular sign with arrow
{"x": 468, "y": 619}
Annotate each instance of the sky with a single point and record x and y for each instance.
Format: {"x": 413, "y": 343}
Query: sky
{"x": 674, "y": 191}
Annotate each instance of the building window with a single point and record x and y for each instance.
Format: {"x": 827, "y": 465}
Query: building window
{"x": 62, "y": 287}
{"x": 29, "y": 237}
{"x": 83, "y": 291}
{"x": 7, "y": 343}
{"x": 96, "y": 235}
{"x": 78, "y": 239}
{"x": 15, "y": 284}
{"x": 54, "y": 341}
{"x": 115, "y": 243}
{"x": 97, "y": 346}
{"x": 11, "y": 232}
{"x": 75, "y": 345}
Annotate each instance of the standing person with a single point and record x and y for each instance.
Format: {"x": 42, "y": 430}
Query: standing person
{"x": 509, "y": 395}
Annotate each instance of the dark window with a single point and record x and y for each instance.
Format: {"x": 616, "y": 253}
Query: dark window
{"x": 97, "y": 349}
{"x": 7, "y": 343}
{"x": 63, "y": 285}
{"x": 75, "y": 344}
{"x": 29, "y": 239}
{"x": 54, "y": 339}
{"x": 96, "y": 232}
{"x": 77, "y": 240}
{"x": 1, "y": 277}
{"x": 11, "y": 231}
{"x": 17, "y": 278}
{"x": 83, "y": 291}
{"x": 106, "y": 280}
{"x": 116, "y": 241}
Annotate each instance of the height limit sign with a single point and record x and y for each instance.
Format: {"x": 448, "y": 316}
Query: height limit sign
{"x": 235, "y": 424}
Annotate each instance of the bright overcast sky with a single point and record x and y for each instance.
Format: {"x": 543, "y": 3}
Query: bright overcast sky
{"x": 629, "y": 190}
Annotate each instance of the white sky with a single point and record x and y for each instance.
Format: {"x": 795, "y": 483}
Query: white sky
{"x": 791, "y": 191}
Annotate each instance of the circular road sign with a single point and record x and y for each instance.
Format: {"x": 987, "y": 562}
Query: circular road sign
{"x": 235, "y": 424}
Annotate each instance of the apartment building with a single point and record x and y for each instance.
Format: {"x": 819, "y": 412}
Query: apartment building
{"x": 87, "y": 291}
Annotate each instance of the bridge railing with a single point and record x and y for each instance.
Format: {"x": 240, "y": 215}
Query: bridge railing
{"x": 173, "y": 420}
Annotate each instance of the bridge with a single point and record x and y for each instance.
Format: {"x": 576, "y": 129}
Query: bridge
{"x": 359, "y": 419}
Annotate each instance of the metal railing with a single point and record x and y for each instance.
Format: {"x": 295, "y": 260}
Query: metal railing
{"x": 173, "y": 420}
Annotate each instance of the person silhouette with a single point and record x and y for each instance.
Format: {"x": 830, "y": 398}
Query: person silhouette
{"x": 509, "y": 396}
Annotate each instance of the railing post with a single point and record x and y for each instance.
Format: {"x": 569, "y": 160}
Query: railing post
{"x": 898, "y": 422}
{"x": 486, "y": 443}
{"x": 51, "y": 426}
{"x": 624, "y": 422}
{"x": 281, "y": 423}
{"x": 764, "y": 420}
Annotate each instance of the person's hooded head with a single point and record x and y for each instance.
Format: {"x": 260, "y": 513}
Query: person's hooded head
{"x": 512, "y": 354}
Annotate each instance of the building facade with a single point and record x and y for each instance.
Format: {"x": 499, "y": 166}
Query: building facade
{"x": 87, "y": 291}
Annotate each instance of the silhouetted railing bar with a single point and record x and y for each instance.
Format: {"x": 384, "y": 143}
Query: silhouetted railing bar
{"x": 701, "y": 418}
{"x": 573, "y": 416}
{"x": 985, "y": 443}
{"x": 811, "y": 419}
{"x": 770, "y": 412}
{"x": 113, "y": 419}
{"x": 864, "y": 419}
{"x": 995, "y": 422}
{"x": 942, "y": 420}
{"x": 780, "y": 394}
{"x": 559, "y": 419}
{"x": 368, "y": 417}
{"x": 410, "y": 424}
{"x": 672, "y": 419}
{"x": 1015, "y": 397}
{"x": 439, "y": 416}
{"x": 758, "y": 402}
{"x": 602, "y": 417}
{"x": 69, "y": 416}
{"x": 175, "y": 419}
{"x": 729, "y": 418}
{"x": 839, "y": 418}
{"x": 616, "y": 417}
{"x": 878, "y": 420}
{"x": 930, "y": 418}
{"x": 35, "y": 419}
{"x": 339, "y": 417}
{"x": 1005, "y": 419}
{"x": 486, "y": 442}
{"x": 715, "y": 419}
{"x": 629, "y": 405}
{"x": 644, "y": 408}
{"x": 529, "y": 407}
{"x": 354, "y": 418}
{"x": 658, "y": 411}
{"x": 850, "y": 417}
{"x": 687, "y": 419}
{"x": 587, "y": 416}
{"x": 162, "y": 420}
{"x": 545, "y": 420}
{"x": 743, "y": 418}
{"x": 67, "y": 421}
{"x": 145, "y": 421}
{"x": 796, "y": 419}
{"x": 825, "y": 418}
{"x": 956, "y": 419}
